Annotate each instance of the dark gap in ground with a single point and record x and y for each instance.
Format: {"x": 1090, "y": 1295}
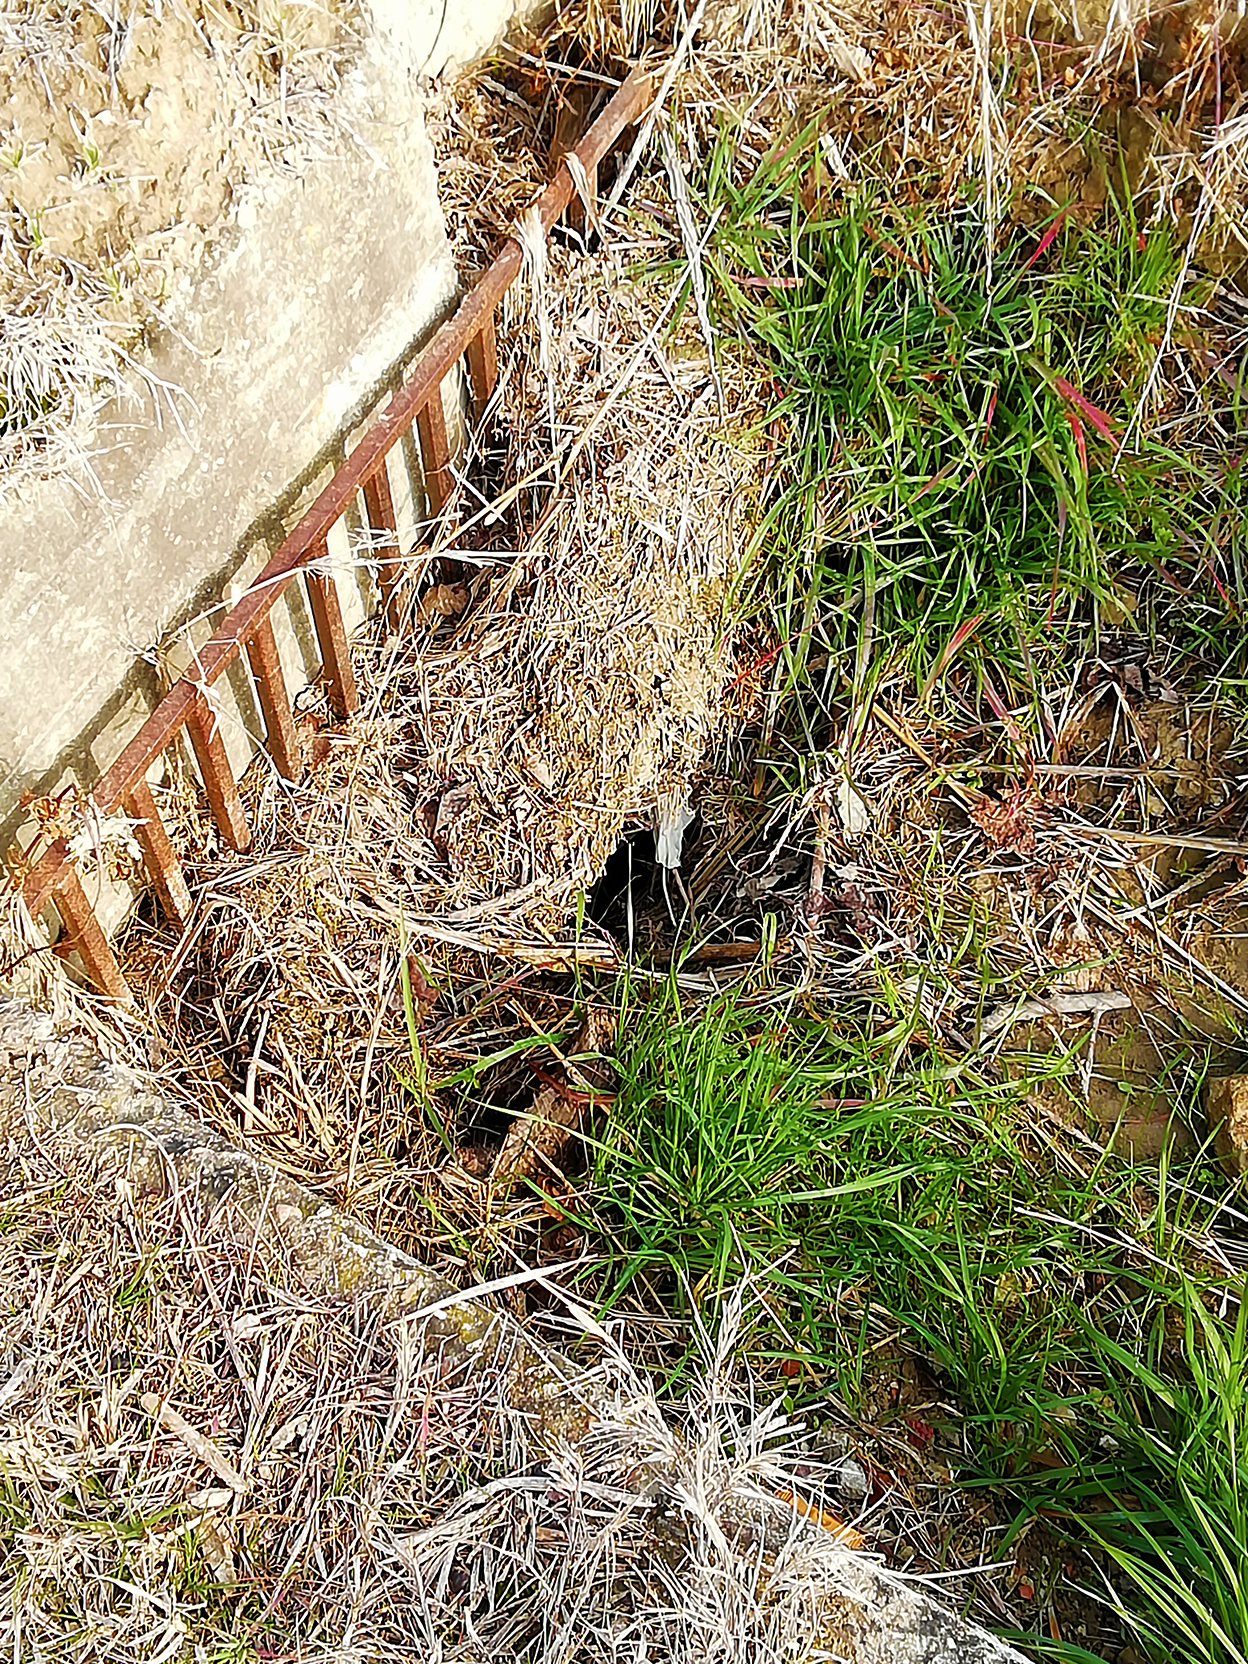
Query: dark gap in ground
{"x": 627, "y": 883}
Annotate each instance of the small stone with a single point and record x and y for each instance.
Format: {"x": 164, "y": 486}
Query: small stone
{"x": 1226, "y": 1106}
{"x": 286, "y": 1214}
{"x": 850, "y": 1478}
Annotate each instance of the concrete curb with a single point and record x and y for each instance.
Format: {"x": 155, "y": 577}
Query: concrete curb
{"x": 101, "y": 1126}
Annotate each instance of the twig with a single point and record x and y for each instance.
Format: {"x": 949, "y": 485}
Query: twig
{"x": 1054, "y": 1005}
{"x": 195, "y": 1442}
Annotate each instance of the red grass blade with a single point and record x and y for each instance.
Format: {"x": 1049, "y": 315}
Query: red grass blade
{"x": 768, "y": 282}
{"x": 954, "y": 645}
{"x": 1004, "y": 716}
{"x": 1076, "y": 427}
{"x": 934, "y": 481}
{"x": 990, "y": 412}
{"x": 1046, "y": 241}
{"x": 1099, "y": 420}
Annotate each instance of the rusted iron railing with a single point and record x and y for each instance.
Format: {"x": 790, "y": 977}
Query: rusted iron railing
{"x": 468, "y": 339}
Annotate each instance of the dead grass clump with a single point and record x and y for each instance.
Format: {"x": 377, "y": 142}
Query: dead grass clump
{"x": 608, "y": 635}
{"x": 492, "y": 162}
{"x": 1070, "y": 893}
{"x": 200, "y": 1442}
{"x": 59, "y": 361}
{"x": 211, "y": 1437}
{"x": 549, "y": 695}
{"x": 202, "y": 1450}
{"x": 1040, "y": 106}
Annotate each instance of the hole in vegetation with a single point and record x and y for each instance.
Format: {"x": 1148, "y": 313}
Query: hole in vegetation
{"x": 628, "y": 881}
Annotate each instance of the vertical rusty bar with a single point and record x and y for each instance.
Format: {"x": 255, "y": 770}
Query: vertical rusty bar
{"x": 279, "y": 720}
{"x": 435, "y": 452}
{"x": 214, "y": 766}
{"x": 332, "y": 635}
{"x": 483, "y": 366}
{"x": 379, "y": 507}
{"x": 85, "y": 935}
{"x": 163, "y": 866}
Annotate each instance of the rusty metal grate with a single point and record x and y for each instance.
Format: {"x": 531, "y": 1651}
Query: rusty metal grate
{"x": 468, "y": 340}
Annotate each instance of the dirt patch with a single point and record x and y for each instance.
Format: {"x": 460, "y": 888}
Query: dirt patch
{"x": 1181, "y": 936}
{"x": 1106, "y": 880}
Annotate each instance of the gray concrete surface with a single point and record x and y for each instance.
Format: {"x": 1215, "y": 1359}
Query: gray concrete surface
{"x": 434, "y": 36}
{"x": 315, "y": 294}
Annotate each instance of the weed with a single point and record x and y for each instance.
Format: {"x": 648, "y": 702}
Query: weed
{"x": 870, "y": 1178}
{"x": 738, "y": 1138}
{"x": 952, "y": 449}
{"x": 952, "y": 488}
{"x": 1170, "y": 1483}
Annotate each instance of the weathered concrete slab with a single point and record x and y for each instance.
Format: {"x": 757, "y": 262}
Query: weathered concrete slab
{"x": 301, "y": 311}
{"x": 317, "y": 288}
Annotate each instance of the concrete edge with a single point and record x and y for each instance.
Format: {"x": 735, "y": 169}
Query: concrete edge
{"x": 96, "y": 1118}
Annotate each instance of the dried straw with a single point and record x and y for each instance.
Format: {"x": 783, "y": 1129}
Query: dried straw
{"x": 560, "y": 683}
{"x": 207, "y": 1439}
{"x": 130, "y": 131}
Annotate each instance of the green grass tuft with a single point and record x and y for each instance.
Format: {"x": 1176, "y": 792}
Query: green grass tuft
{"x": 868, "y": 1176}
{"x": 953, "y": 449}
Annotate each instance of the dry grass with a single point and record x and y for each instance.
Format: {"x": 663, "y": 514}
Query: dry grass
{"x": 564, "y": 679}
{"x": 928, "y": 97}
{"x": 128, "y": 134}
{"x": 571, "y": 669}
{"x": 573, "y": 665}
{"x": 1096, "y": 864}
{"x": 208, "y": 1441}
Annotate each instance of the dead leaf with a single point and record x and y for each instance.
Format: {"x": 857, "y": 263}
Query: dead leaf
{"x": 537, "y": 768}
{"x": 851, "y": 59}
{"x": 423, "y": 991}
{"x": 57, "y": 816}
{"x": 540, "y": 1135}
{"x": 216, "y": 1544}
{"x": 537, "y": 1139}
{"x": 454, "y": 803}
{"x": 1009, "y": 824}
{"x": 442, "y": 601}
{"x": 210, "y": 1454}
{"x": 851, "y": 807}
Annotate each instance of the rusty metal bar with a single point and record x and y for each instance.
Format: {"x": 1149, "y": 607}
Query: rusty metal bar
{"x": 332, "y": 636}
{"x": 435, "y": 452}
{"x": 281, "y": 740}
{"x": 220, "y": 785}
{"x": 483, "y": 366}
{"x": 85, "y": 936}
{"x": 379, "y": 507}
{"x": 433, "y": 365}
{"x": 470, "y": 330}
{"x": 163, "y": 866}
{"x": 40, "y": 882}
